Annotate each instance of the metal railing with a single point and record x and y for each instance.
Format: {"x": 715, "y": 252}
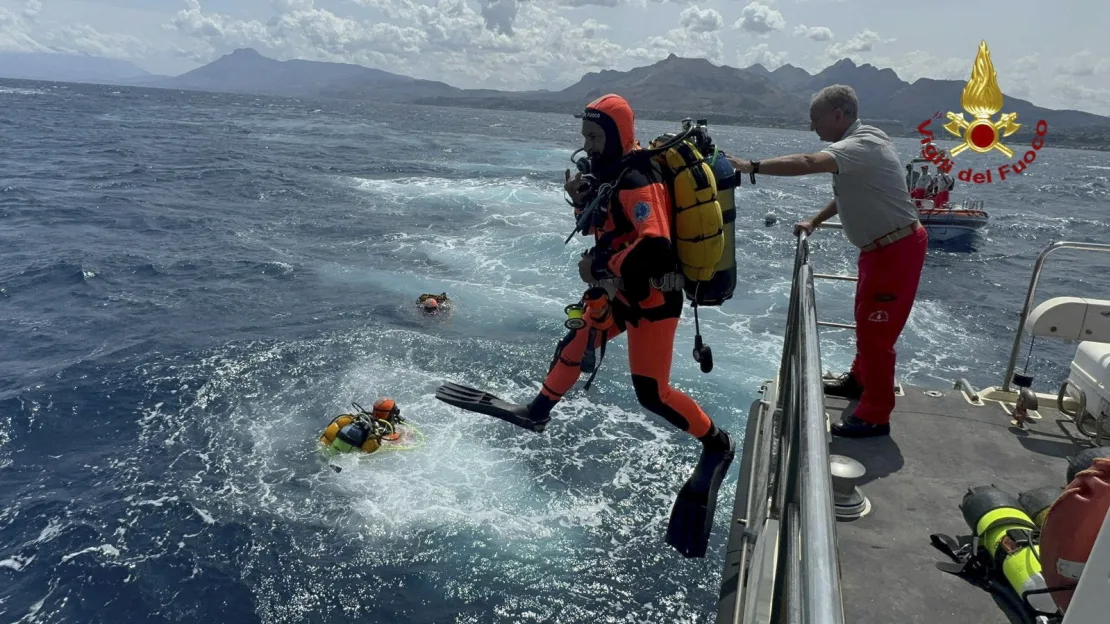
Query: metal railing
{"x": 782, "y": 565}
{"x": 804, "y": 496}
{"x": 821, "y": 573}
{"x": 1008, "y": 376}
{"x": 972, "y": 204}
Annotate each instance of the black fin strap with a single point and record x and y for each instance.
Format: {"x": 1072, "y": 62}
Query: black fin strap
{"x": 600, "y": 359}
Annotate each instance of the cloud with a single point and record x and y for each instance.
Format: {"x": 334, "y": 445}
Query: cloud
{"x": 1027, "y": 63}
{"x": 763, "y": 55}
{"x": 582, "y": 3}
{"x": 519, "y": 44}
{"x": 863, "y": 42}
{"x": 816, "y": 33}
{"x": 31, "y": 9}
{"x": 1084, "y": 64}
{"x": 505, "y": 44}
{"x": 25, "y": 31}
{"x": 615, "y": 3}
{"x": 499, "y": 14}
{"x": 284, "y": 6}
{"x": 214, "y": 31}
{"x": 760, "y": 19}
{"x": 1070, "y": 95}
{"x": 14, "y": 35}
{"x": 701, "y": 20}
{"x": 921, "y": 64}
{"x": 683, "y": 42}
{"x": 591, "y": 28}
{"x": 84, "y": 39}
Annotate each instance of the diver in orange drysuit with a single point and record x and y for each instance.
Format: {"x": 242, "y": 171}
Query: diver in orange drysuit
{"x": 633, "y": 247}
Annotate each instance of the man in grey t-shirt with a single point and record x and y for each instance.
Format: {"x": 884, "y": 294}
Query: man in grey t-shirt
{"x": 871, "y": 196}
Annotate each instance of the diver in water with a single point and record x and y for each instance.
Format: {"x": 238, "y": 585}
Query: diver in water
{"x": 364, "y": 430}
{"x": 627, "y": 271}
{"x": 433, "y": 304}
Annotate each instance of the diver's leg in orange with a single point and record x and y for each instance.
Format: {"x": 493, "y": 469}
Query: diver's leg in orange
{"x": 566, "y": 366}
{"x": 650, "y": 351}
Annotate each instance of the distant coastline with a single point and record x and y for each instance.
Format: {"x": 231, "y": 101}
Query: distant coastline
{"x": 668, "y": 90}
{"x": 1093, "y": 139}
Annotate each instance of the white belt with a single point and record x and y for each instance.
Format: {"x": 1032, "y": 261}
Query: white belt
{"x": 892, "y": 237}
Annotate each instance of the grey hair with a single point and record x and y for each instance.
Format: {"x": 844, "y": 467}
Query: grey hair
{"x": 838, "y": 96}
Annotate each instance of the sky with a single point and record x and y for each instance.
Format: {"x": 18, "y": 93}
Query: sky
{"x": 1054, "y": 54}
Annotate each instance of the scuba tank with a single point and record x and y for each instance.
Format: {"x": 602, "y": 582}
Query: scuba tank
{"x": 1036, "y": 502}
{"x": 350, "y": 437}
{"x": 347, "y": 425}
{"x": 702, "y": 186}
{"x": 1084, "y": 460}
{"x": 720, "y": 287}
{"x": 1004, "y": 532}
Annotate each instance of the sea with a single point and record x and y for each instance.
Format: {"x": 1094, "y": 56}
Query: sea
{"x": 194, "y": 284}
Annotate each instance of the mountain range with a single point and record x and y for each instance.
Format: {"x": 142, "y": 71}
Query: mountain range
{"x": 68, "y": 68}
{"x": 670, "y": 89}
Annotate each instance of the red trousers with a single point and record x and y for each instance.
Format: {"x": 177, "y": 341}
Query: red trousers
{"x": 917, "y": 193}
{"x": 888, "y": 279}
{"x": 940, "y": 199}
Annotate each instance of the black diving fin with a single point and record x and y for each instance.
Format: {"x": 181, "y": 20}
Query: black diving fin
{"x": 482, "y": 402}
{"x": 694, "y": 508}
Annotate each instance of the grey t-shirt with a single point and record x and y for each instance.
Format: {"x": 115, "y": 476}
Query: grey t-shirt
{"x": 872, "y": 198}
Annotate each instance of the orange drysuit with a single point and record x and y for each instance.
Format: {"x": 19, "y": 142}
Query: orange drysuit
{"x": 633, "y": 244}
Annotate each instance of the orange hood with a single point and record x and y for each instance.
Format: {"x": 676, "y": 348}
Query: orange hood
{"x": 615, "y": 116}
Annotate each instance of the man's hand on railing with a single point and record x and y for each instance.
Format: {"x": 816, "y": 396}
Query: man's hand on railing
{"x": 806, "y": 225}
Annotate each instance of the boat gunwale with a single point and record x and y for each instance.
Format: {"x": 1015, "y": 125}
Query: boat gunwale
{"x": 752, "y": 526}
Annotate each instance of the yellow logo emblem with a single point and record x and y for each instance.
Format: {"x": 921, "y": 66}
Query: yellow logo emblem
{"x": 982, "y": 99}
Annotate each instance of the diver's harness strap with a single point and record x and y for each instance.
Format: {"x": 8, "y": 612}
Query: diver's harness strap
{"x": 591, "y": 337}
{"x": 668, "y": 282}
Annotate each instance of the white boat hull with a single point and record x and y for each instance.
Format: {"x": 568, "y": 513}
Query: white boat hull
{"x": 944, "y": 233}
{"x": 951, "y": 222}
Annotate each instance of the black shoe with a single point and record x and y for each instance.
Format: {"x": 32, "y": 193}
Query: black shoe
{"x": 852, "y": 427}
{"x": 846, "y": 386}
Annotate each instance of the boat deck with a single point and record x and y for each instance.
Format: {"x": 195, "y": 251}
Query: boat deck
{"x": 939, "y": 447}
